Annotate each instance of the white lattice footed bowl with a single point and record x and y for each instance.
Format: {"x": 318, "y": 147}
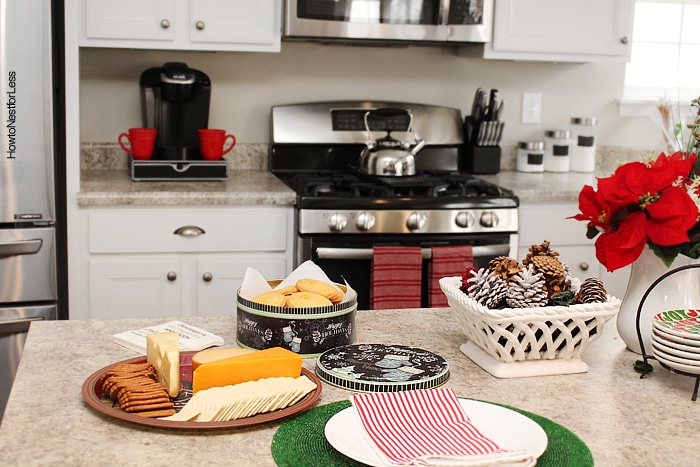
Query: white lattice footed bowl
{"x": 513, "y": 335}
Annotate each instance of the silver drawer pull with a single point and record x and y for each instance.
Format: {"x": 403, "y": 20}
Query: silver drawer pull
{"x": 21, "y": 247}
{"x": 189, "y": 231}
{"x": 426, "y": 253}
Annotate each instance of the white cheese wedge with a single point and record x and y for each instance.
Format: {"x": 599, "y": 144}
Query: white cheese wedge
{"x": 163, "y": 352}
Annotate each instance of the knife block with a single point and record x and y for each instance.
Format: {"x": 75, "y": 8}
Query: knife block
{"x": 481, "y": 159}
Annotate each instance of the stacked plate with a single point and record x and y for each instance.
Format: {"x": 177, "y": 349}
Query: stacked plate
{"x": 675, "y": 340}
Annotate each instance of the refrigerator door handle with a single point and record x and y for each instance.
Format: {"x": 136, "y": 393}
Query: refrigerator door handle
{"x": 12, "y": 326}
{"x": 21, "y": 247}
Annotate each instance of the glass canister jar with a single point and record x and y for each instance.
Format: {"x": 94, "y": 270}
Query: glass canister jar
{"x": 583, "y": 144}
{"x": 530, "y": 156}
{"x": 556, "y": 150}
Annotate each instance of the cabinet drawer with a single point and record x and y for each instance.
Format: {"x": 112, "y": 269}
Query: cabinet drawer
{"x": 240, "y": 229}
{"x": 539, "y": 222}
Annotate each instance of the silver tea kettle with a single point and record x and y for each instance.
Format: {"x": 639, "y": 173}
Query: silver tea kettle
{"x": 388, "y": 156}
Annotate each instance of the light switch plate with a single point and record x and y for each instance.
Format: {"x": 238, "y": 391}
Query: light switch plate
{"x": 532, "y": 108}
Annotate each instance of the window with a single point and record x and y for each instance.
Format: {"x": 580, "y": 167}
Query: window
{"x": 665, "y": 58}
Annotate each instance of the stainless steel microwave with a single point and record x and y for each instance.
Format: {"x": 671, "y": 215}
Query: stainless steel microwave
{"x": 397, "y": 21}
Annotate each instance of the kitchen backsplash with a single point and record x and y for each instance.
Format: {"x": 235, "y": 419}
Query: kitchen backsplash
{"x": 254, "y": 157}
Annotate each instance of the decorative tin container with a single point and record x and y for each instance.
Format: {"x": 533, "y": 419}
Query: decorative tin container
{"x": 306, "y": 331}
{"x": 382, "y": 368}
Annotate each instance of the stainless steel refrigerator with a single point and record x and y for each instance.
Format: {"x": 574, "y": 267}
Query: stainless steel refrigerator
{"x": 32, "y": 168}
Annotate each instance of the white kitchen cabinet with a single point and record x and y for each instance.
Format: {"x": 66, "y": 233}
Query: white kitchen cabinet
{"x": 556, "y": 30}
{"x": 548, "y": 221}
{"x": 226, "y": 25}
{"x": 157, "y": 262}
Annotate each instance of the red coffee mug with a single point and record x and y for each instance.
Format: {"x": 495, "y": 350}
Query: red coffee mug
{"x": 212, "y": 142}
{"x": 141, "y": 141}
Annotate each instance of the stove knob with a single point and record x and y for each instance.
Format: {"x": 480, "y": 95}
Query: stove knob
{"x": 365, "y": 221}
{"x": 465, "y": 219}
{"x": 337, "y": 222}
{"x": 416, "y": 221}
{"x": 489, "y": 219}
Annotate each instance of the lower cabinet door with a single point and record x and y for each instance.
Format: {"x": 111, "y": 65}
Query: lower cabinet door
{"x": 135, "y": 287}
{"x": 218, "y": 281}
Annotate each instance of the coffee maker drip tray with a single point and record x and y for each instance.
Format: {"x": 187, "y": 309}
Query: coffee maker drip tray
{"x": 157, "y": 170}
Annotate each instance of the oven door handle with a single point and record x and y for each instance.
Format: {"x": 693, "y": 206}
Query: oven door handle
{"x": 368, "y": 253}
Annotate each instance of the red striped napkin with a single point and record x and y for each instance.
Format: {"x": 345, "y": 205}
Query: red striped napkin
{"x": 428, "y": 427}
{"x": 396, "y": 277}
{"x": 448, "y": 261}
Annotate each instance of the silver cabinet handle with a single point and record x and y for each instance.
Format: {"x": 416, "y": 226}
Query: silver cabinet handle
{"x": 18, "y": 325}
{"x": 189, "y": 231}
{"x": 199, "y": 25}
{"x": 624, "y": 40}
{"x": 20, "y": 247}
{"x": 583, "y": 266}
{"x": 172, "y": 276}
{"x": 164, "y": 23}
{"x": 207, "y": 277}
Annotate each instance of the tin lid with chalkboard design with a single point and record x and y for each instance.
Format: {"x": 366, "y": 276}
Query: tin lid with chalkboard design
{"x": 381, "y": 368}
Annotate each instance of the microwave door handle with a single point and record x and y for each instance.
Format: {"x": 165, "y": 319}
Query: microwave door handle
{"x": 426, "y": 253}
{"x": 21, "y": 247}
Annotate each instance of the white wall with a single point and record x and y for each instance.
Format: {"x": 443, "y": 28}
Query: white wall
{"x": 246, "y": 85}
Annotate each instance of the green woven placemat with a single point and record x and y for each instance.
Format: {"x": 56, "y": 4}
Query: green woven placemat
{"x": 301, "y": 442}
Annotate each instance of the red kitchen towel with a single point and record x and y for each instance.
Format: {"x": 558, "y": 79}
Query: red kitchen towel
{"x": 428, "y": 427}
{"x": 447, "y": 261}
{"x": 396, "y": 277}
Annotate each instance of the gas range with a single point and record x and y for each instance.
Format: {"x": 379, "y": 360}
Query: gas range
{"x": 316, "y": 150}
{"x": 344, "y": 213}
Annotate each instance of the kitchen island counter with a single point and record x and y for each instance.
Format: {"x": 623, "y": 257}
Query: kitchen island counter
{"x": 624, "y": 420}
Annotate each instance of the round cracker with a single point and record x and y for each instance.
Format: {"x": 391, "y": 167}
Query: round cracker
{"x": 319, "y": 287}
{"x": 307, "y": 300}
{"x": 272, "y": 298}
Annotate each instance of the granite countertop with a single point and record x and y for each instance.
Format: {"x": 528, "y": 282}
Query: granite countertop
{"x": 623, "y": 419}
{"x": 106, "y": 181}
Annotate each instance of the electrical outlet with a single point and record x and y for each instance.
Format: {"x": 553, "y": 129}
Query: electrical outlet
{"x": 532, "y": 107}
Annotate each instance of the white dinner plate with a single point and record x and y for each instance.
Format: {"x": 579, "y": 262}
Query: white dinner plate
{"x": 675, "y": 338}
{"x": 666, "y": 359}
{"x": 505, "y": 427}
{"x": 662, "y": 346}
{"x": 673, "y": 342}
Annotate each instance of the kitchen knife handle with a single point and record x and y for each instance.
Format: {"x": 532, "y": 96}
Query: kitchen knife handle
{"x": 20, "y": 247}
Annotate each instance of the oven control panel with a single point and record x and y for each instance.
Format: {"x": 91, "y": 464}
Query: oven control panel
{"x": 435, "y": 221}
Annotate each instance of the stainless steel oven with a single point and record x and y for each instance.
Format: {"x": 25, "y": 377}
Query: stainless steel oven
{"x": 342, "y": 213}
{"x": 402, "y": 21}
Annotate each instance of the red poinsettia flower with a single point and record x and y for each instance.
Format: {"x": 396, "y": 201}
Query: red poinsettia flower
{"x": 639, "y": 204}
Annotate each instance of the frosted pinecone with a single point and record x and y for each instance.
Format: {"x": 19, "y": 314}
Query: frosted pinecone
{"x": 487, "y": 288}
{"x": 575, "y": 282}
{"x": 592, "y": 291}
{"x": 528, "y": 290}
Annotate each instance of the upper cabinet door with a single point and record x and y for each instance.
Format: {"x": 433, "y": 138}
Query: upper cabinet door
{"x": 562, "y": 30}
{"x": 227, "y": 21}
{"x": 142, "y": 19}
{"x": 211, "y": 25}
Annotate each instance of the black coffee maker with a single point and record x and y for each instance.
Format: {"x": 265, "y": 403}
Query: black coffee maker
{"x": 175, "y": 101}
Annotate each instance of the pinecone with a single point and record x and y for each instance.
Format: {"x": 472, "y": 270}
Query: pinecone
{"x": 539, "y": 250}
{"x": 487, "y": 288}
{"x": 575, "y": 282}
{"x": 468, "y": 273}
{"x": 553, "y": 273}
{"x": 505, "y": 267}
{"x": 527, "y": 290}
{"x": 592, "y": 291}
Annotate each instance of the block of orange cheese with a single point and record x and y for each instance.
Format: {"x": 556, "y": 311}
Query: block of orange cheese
{"x": 268, "y": 363}
{"x": 216, "y": 353}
